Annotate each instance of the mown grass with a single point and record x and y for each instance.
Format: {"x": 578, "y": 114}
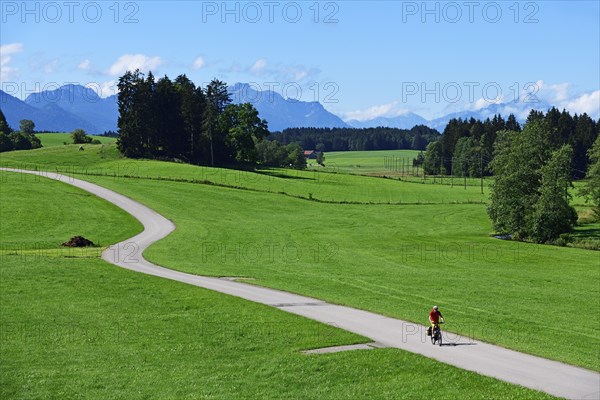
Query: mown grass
{"x": 366, "y": 162}
{"x": 392, "y": 164}
{"x": 59, "y": 139}
{"x": 395, "y": 260}
{"x": 58, "y": 212}
{"x": 323, "y": 186}
{"x": 82, "y": 328}
{"x": 104, "y": 160}
{"x": 315, "y": 183}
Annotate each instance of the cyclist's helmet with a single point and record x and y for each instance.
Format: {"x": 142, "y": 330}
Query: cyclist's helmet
{"x": 435, "y": 307}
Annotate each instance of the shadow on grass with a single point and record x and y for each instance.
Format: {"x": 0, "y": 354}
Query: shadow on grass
{"x": 282, "y": 175}
{"x": 583, "y": 232}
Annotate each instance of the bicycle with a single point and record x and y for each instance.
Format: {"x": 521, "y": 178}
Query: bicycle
{"x": 436, "y": 334}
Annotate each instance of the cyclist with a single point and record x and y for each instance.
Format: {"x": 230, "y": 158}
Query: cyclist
{"x": 434, "y": 318}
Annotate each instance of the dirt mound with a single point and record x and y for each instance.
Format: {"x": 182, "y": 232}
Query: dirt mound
{"x": 78, "y": 241}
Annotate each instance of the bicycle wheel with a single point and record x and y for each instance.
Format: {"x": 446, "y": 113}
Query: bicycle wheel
{"x": 440, "y": 338}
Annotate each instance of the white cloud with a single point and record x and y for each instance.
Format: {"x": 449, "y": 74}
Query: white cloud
{"x": 299, "y": 75}
{"x": 552, "y": 92}
{"x": 482, "y": 102}
{"x": 131, "y": 62}
{"x": 6, "y": 55}
{"x": 538, "y": 95}
{"x": 199, "y": 63}
{"x": 7, "y": 51}
{"x": 586, "y": 103}
{"x": 282, "y": 74}
{"x": 50, "y": 66}
{"x": 104, "y": 89}
{"x": 560, "y": 95}
{"x": 389, "y": 110}
{"x": 259, "y": 66}
{"x": 85, "y": 65}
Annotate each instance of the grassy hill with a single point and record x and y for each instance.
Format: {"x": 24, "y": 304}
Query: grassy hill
{"x": 431, "y": 244}
{"x": 74, "y": 326}
{"x": 59, "y": 139}
{"x": 104, "y": 160}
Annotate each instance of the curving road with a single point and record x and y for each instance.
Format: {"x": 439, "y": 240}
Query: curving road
{"x": 537, "y": 373}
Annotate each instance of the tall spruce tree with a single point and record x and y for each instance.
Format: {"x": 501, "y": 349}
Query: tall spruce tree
{"x": 131, "y": 141}
{"x": 217, "y": 98}
{"x": 4, "y": 127}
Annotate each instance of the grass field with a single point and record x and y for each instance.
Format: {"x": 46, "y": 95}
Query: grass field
{"x": 71, "y": 212}
{"x": 323, "y": 186}
{"x": 73, "y": 327}
{"x": 59, "y": 139}
{"x": 392, "y": 259}
{"x": 378, "y": 258}
{"x": 394, "y": 164}
{"x": 397, "y": 164}
{"x": 367, "y": 162}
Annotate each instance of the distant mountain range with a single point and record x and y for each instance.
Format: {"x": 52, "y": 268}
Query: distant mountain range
{"x": 63, "y": 110}
{"x": 281, "y": 113}
{"x": 73, "y": 106}
{"x": 49, "y": 117}
{"x": 101, "y": 113}
{"x": 520, "y": 109}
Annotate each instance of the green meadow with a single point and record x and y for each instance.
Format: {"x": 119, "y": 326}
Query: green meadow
{"x": 74, "y": 326}
{"x": 383, "y": 245}
{"x": 395, "y": 260}
{"x": 104, "y": 160}
{"x": 367, "y": 162}
{"x": 59, "y": 139}
{"x": 392, "y": 164}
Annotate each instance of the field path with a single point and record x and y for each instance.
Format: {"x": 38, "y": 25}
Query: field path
{"x": 511, "y": 366}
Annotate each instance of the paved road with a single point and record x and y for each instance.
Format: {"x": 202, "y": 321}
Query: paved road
{"x": 511, "y": 366}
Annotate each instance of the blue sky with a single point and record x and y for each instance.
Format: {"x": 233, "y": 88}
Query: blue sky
{"x": 360, "y": 59}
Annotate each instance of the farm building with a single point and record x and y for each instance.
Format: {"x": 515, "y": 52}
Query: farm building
{"x": 310, "y": 154}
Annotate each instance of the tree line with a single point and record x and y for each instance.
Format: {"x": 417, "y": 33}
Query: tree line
{"x": 533, "y": 168}
{"x": 354, "y": 139}
{"x": 176, "y": 120}
{"x": 466, "y": 147}
{"x": 23, "y": 139}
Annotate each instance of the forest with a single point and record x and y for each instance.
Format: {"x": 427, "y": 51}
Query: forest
{"x": 175, "y": 120}
{"x": 466, "y": 147}
{"x": 353, "y": 139}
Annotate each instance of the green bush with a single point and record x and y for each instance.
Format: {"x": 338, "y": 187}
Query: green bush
{"x": 80, "y": 137}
